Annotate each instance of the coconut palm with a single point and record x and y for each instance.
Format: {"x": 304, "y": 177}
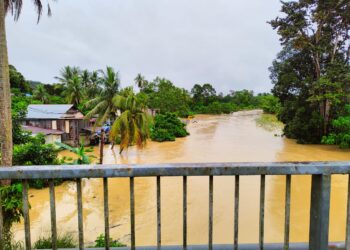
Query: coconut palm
{"x": 140, "y": 81}
{"x": 67, "y": 73}
{"x": 85, "y": 78}
{"x": 132, "y": 126}
{"x": 103, "y": 105}
{"x": 13, "y": 7}
{"x": 73, "y": 91}
{"x": 41, "y": 94}
{"x": 94, "y": 88}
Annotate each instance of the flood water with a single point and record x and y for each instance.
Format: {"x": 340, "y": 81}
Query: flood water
{"x": 225, "y": 138}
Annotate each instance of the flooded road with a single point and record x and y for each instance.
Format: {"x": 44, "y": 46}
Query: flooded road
{"x": 226, "y": 138}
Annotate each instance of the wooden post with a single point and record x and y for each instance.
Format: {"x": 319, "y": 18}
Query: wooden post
{"x": 101, "y": 145}
{"x": 319, "y": 212}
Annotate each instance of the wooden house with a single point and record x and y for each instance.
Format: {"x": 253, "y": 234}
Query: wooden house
{"x": 64, "y": 120}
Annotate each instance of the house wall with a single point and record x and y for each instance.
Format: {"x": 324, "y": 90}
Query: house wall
{"x": 51, "y": 139}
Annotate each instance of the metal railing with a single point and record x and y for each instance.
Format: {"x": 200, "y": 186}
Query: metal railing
{"x": 321, "y": 173}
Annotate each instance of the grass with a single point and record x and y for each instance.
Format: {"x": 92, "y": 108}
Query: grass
{"x": 63, "y": 241}
{"x": 270, "y": 123}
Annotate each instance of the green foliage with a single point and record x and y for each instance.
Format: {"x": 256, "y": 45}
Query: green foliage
{"x": 41, "y": 94}
{"x": 340, "y": 134}
{"x": 17, "y": 80}
{"x": 34, "y": 152}
{"x": 19, "y": 111}
{"x": 268, "y": 103}
{"x": 100, "y": 242}
{"x": 80, "y": 152}
{"x": 11, "y": 203}
{"x": 166, "y": 97}
{"x": 132, "y": 126}
{"x": 311, "y": 74}
{"x": 167, "y": 127}
{"x": 63, "y": 241}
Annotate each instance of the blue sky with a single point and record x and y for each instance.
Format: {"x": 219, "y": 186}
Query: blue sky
{"x": 227, "y": 43}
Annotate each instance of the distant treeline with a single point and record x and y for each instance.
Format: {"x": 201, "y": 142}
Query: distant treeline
{"x": 160, "y": 94}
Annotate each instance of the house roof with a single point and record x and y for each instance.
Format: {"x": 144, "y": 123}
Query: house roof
{"x": 52, "y": 111}
{"x": 36, "y": 130}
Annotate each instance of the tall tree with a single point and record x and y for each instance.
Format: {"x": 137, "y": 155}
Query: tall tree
{"x": 132, "y": 125}
{"x": 67, "y": 73}
{"x": 14, "y": 7}
{"x": 41, "y": 94}
{"x": 321, "y": 31}
{"x": 140, "y": 81}
{"x": 103, "y": 105}
{"x": 73, "y": 91}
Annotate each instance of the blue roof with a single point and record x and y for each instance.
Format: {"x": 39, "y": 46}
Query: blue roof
{"x": 47, "y": 111}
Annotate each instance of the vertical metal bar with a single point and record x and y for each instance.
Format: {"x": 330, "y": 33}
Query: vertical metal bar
{"x": 287, "y": 213}
{"x": 80, "y": 215}
{"x": 235, "y": 246}
{"x": 262, "y": 212}
{"x": 106, "y": 211}
{"x": 184, "y": 204}
{"x": 159, "y": 230}
{"x": 210, "y": 237}
{"x": 1, "y": 224}
{"x": 347, "y": 242}
{"x": 102, "y": 141}
{"x": 132, "y": 213}
{"x": 319, "y": 212}
{"x": 53, "y": 214}
{"x": 26, "y": 214}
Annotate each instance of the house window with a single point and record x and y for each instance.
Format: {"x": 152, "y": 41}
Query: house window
{"x": 54, "y": 124}
{"x": 67, "y": 127}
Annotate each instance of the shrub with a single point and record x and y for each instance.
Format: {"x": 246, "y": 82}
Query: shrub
{"x": 100, "y": 242}
{"x": 63, "y": 241}
{"x": 167, "y": 127}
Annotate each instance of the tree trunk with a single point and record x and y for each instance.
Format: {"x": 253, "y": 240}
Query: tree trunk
{"x": 5, "y": 95}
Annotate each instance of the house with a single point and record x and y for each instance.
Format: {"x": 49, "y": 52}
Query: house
{"x": 51, "y": 135}
{"x": 61, "y": 122}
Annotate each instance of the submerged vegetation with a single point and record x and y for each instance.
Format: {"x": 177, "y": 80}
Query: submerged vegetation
{"x": 168, "y": 127}
{"x": 63, "y": 241}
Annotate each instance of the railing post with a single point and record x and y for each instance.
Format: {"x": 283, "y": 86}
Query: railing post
{"x": 1, "y": 225}
{"x": 319, "y": 212}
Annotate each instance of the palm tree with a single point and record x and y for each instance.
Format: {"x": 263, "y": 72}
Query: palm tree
{"x": 73, "y": 91}
{"x": 41, "y": 94}
{"x": 94, "y": 87}
{"x": 14, "y": 7}
{"x": 132, "y": 125}
{"x": 103, "y": 105}
{"x": 85, "y": 78}
{"x": 140, "y": 81}
{"x": 67, "y": 73}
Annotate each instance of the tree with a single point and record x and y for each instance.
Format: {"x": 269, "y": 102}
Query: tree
{"x": 140, "y": 81}
{"x": 320, "y": 31}
{"x": 17, "y": 80}
{"x": 132, "y": 125}
{"x": 103, "y": 104}
{"x": 41, "y": 94}
{"x": 67, "y": 73}
{"x": 73, "y": 91}
{"x": 169, "y": 98}
{"x": 14, "y": 7}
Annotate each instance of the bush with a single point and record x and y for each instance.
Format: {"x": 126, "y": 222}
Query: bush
{"x": 340, "y": 134}
{"x": 167, "y": 127}
{"x": 100, "y": 242}
{"x": 63, "y": 241}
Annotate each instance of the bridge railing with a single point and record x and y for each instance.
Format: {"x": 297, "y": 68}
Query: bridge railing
{"x": 321, "y": 173}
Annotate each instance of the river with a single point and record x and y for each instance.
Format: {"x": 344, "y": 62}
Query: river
{"x": 225, "y": 138}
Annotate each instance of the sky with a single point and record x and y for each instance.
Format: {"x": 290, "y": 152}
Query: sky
{"x": 227, "y": 43}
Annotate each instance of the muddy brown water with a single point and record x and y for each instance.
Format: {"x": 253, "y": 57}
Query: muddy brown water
{"x": 226, "y": 138}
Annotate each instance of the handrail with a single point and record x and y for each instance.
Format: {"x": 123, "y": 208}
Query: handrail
{"x": 174, "y": 169}
{"x": 321, "y": 173}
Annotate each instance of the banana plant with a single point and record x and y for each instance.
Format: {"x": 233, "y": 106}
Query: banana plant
{"x": 80, "y": 151}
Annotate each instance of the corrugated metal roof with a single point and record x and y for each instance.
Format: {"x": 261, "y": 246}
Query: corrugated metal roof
{"x": 47, "y": 111}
